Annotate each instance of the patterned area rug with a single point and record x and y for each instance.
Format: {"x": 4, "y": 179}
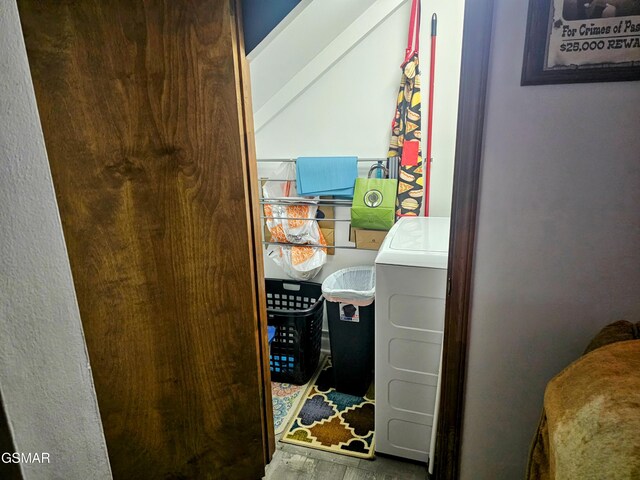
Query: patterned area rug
{"x": 286, "y": 398}
{"x": 333, "y": 421}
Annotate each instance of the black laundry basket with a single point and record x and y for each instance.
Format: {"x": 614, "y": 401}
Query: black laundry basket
{"x": 296, "y": 310}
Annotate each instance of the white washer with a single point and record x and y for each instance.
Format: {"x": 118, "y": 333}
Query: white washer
{"x": 411, "y": 284}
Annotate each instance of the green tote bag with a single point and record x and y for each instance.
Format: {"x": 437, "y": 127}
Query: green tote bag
{"x": 374, "y": 203}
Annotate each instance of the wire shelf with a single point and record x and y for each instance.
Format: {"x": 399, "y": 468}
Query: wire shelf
{"x": 328, "y": 247}
{"x": 320, "y": 202}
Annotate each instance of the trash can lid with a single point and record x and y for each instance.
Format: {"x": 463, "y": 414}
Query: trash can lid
{"x": 417, "y": 242}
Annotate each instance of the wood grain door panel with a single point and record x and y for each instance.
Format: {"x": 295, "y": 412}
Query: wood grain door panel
{"x": 139, "y": 102}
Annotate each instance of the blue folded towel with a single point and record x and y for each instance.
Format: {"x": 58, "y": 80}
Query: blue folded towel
{"x": 335, "y": 176}
{"x": 271, "y": 332}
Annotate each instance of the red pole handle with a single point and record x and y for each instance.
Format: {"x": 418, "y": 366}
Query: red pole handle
{"x": 432, "y": 71}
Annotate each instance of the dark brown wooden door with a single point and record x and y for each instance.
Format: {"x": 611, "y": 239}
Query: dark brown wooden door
{"x": 143, "y": 112}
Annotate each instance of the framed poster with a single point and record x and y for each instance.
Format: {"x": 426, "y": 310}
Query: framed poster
{"x": 572, "y": 41}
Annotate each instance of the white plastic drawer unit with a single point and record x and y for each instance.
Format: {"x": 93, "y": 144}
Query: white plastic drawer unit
{"x": 411, "y": 279}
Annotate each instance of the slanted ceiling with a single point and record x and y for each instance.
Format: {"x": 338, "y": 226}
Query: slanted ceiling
{"x": 262, "y": 16}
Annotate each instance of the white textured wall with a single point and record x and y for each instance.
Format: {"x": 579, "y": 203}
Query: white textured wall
{"x": 348, "y": 109}
{"x": 558, "y": 245}
{"x": 45, "y": 379}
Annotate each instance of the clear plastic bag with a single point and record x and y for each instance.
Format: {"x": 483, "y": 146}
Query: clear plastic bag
{"x": 298, "y": 261}
{"x": 286, "y": 223}
{"x": 290, "y": 224}
{"x": 354, "y": 285}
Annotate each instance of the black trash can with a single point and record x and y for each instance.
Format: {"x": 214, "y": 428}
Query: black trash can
{"x": 350, "y": 306}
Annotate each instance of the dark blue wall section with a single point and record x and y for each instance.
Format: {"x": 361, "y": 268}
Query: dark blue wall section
{"x": 262, "y": 16}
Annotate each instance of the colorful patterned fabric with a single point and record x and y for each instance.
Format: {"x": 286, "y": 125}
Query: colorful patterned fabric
{"x": 406, "y": 133}
{"x": 406, "y": 128}
{"x": 333, "y": 421}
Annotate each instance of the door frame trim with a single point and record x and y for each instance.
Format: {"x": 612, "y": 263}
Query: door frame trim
{"x": 476, "y": 46}
{"x": 252, "y": 179}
